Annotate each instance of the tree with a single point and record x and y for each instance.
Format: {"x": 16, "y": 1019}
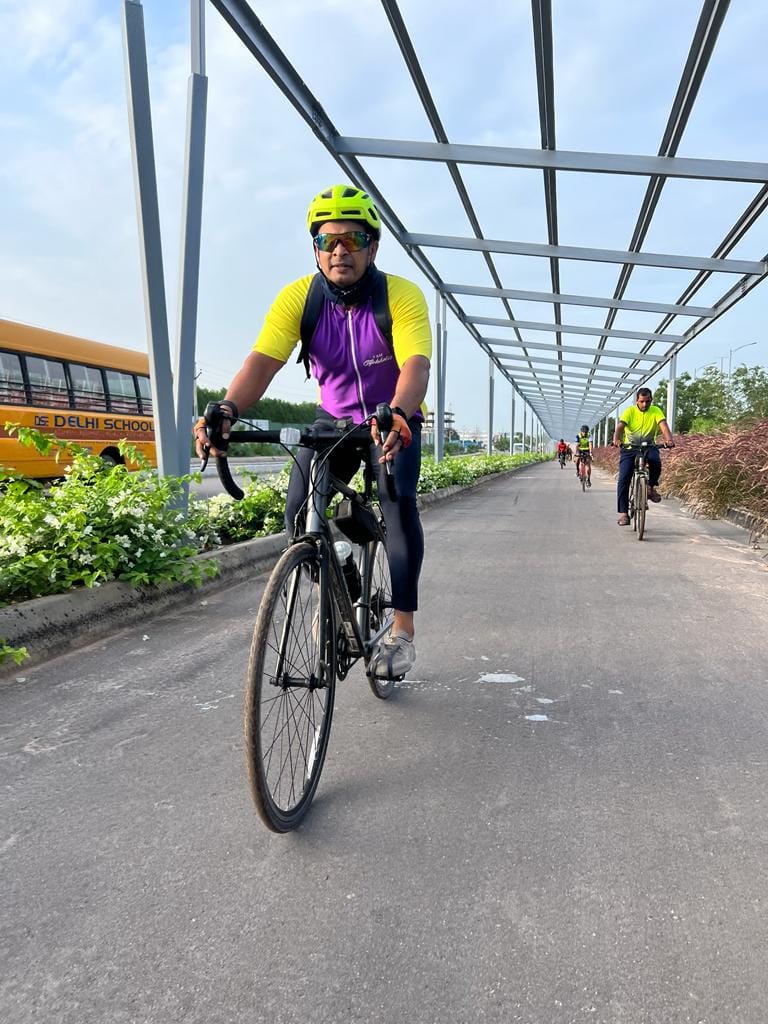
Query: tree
{"x": 707, "y": 403}
{"x": 273, "y": 409}
{"x": 206, "y": 395}
{"x": 702, "y": 403}
{"x": 749, "y": 389}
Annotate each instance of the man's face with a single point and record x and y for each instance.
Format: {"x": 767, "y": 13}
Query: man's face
{"x": 341, "y": 266}
{"x": 643, "y": 401}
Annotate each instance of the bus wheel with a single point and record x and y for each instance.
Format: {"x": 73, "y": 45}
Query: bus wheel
{"x": 111, "y": 457}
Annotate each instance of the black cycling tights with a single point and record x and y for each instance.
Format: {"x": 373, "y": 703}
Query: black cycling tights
{"x": 405, "y": 537}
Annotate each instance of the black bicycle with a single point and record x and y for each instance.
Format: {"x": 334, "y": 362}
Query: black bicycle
{"x": 638, "y": 485}
{"x": 322, "y": 611}
{"x": 582, "y": 466}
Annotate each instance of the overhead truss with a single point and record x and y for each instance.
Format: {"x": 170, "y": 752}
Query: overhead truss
{"x": 552, "y": 378}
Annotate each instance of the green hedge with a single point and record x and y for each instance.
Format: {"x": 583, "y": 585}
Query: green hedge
{"x": 101, "y": 523}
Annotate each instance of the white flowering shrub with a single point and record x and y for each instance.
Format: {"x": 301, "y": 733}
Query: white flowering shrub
{"x": 99, "y": 523}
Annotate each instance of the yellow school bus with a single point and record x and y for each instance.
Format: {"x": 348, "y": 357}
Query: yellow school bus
{"x": 78, "y": 390}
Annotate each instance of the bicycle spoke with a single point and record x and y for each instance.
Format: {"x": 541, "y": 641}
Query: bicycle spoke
{"x": 289, "y": 701}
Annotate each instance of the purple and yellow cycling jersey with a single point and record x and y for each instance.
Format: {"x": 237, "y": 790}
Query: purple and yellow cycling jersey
{"x": 350, "y": 359}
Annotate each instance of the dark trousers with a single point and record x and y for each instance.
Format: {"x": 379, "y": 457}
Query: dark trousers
{"x": 626, "y": 466}
{"x": 405, "y": 537}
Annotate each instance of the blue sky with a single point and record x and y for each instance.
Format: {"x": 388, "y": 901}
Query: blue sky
{"x": 69, "y": 245}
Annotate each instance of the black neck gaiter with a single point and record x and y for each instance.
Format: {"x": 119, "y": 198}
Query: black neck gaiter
{"x": 356, "y": 293}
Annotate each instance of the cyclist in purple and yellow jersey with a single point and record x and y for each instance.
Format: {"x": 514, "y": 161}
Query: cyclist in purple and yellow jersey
{"x": 639, "y": 422}
{"x": 357, "y": 365}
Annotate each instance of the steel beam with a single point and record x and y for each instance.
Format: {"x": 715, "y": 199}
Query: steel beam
{"x": 564, "y": 376}
{"x": 586, "y": 366}
{"x": 541, "y": 346}
{"x": 579, "y": 300}
{"x": 556, "y": 160}
{"x": 573, "y": 252}
{"x": 538, "y": 325}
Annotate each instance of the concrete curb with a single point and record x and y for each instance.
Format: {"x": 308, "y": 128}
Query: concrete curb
{"x": 757, "y": 527}
{"x": 740, "y": 517}
{"x": 48, "y": 626}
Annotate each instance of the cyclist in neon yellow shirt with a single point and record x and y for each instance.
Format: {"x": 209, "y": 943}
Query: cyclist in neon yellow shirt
{"x": 584, "y": 452}
{"x": 640, "y": 422}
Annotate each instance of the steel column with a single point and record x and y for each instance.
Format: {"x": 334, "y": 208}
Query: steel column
{"x": 672, "y": 393}
{"x": 490, "y": 406}
{"x": 148, "y": 213}
{"x": 512, "y": 425}
{"x": 191, "y": 221}
{"x": 439, "y": 392}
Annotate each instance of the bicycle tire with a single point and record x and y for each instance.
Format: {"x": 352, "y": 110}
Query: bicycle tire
{"x": 583, "y": 476}
{"x": 641, "y": 501}
{"x": 288, "y": 723}
{"x": 381, "y": 611}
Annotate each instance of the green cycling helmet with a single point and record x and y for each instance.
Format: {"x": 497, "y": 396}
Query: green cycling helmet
{"x": 343, "y": 202}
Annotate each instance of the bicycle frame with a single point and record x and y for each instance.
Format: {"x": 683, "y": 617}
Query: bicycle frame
{"x": 353, "y": 616}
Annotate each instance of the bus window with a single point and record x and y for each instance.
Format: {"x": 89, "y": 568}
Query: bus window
{"x": 47, "y": 382}
{"x": 122, "y": 392}
{"x": 87, "y": 387}
{"x": 11, "y": 380}
{"x": 145, "y": 390}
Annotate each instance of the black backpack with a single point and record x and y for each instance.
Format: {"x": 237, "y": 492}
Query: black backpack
{"x": 314, "y": 303}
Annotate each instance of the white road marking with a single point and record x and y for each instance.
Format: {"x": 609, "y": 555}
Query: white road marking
{"x": 500, "y": 677}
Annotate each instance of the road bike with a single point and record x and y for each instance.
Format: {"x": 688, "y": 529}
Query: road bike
{"x": 583, "y": 475}
{"x": 561, "y": 459}
{"x": 323, "y": 609}
{"x": 638, "y": 486}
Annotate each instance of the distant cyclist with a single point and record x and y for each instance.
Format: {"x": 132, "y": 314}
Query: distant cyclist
{"x": 562, "y": 451}
{"x": 584, "y": 452}
{"x": 643, "y": 422}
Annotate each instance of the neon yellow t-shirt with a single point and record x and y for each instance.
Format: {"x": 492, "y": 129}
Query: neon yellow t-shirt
{"x": 411, "y": 332}
{"x": 642, "y": 426}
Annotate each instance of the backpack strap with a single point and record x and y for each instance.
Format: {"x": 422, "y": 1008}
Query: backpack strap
{"x": 381, "y": 310}
{"x": 313, "y": 307}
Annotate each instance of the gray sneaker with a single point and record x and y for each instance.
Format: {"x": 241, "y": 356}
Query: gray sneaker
{"x": 394, "y": 657}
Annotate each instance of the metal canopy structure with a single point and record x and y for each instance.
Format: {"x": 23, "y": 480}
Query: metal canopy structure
{"x": 547, "y": 375}
{"x": 564, "y": 380}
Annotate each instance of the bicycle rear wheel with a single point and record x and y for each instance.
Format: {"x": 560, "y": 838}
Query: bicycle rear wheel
{"x": 641, "y": 504}
{"x": 290, "y": 689}
{"x": 380, "y": 612}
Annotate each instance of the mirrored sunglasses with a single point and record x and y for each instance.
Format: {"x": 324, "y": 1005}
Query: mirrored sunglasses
{"x": 353, "y": 241}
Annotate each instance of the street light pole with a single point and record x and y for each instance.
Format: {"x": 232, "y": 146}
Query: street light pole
{"x": 730, "y": 357}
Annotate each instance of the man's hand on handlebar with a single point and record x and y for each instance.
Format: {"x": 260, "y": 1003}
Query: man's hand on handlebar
{"x": 213, "y": 429}
{"x": 393, "y": 439}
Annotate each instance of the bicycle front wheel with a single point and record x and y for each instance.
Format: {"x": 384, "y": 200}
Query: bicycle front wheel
{"x": 641, "y": 504}
{"x": 290, "y": 689}
{"x": 380, "y": 611}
